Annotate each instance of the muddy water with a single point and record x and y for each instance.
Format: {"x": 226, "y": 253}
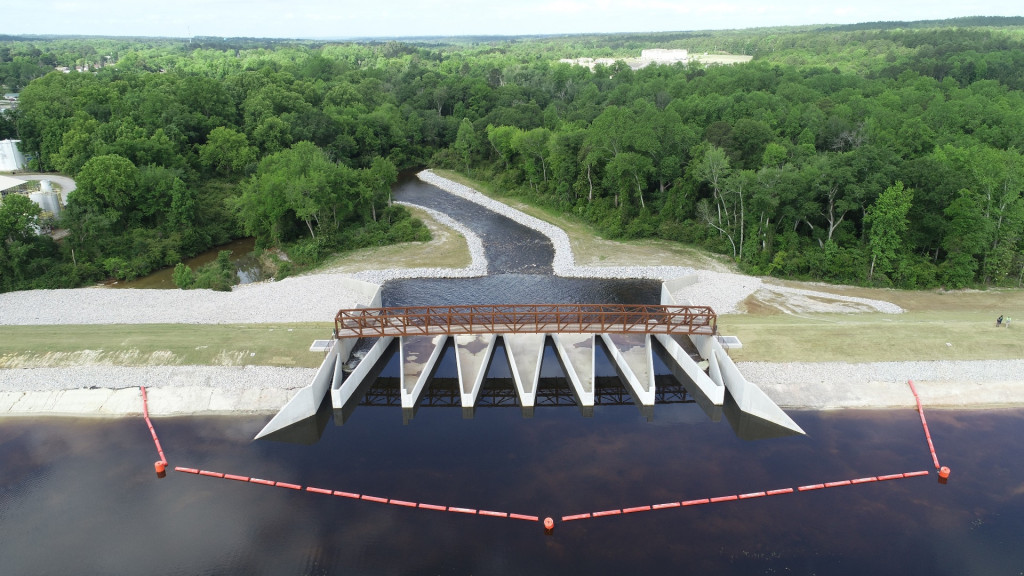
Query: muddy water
{"x": 246, "y": 266}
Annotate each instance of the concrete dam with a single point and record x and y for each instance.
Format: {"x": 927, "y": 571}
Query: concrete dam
{"x": 684, "y": 337}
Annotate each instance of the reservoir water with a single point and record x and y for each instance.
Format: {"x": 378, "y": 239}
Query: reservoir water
{"x": 80, "y": 496}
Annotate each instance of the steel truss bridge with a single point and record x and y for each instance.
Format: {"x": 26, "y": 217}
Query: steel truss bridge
{"x": 525, "y": 319}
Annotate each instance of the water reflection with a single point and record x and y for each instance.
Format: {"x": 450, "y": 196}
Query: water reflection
{"x": 80, "y": 497}
{"x": 247, "y": 266}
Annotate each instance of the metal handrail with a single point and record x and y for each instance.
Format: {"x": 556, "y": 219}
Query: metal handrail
{"x": 525, "y": 318}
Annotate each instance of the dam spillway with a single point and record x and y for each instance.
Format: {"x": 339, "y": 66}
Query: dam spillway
{"x": 684, "y": 337}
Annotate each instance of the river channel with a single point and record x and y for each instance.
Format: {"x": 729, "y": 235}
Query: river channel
{"x": 80, "y": 496}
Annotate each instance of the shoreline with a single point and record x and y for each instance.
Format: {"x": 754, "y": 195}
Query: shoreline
{"x": 261, "y": 390}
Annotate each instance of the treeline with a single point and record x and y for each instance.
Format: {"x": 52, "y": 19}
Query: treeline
{"x": 884, "y": 157}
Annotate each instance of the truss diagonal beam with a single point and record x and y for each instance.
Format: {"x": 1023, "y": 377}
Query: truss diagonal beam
{"x": 525, "y": 319}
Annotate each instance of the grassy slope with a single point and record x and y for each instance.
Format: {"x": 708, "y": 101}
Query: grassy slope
{"x": 447, "y": 249}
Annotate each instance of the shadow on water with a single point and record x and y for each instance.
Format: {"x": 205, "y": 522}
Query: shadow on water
{"x": 307, "y": 431}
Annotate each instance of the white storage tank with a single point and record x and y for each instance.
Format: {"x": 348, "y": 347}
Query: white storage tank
{"x": 48, "y": 201}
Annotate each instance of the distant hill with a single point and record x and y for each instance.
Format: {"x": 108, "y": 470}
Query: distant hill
{"x": 964, "y": 22}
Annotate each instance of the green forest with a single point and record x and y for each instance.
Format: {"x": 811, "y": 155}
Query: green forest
{"x": 882, "y": 154}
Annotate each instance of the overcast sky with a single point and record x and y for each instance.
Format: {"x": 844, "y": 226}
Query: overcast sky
{"x": 348, "y": 18}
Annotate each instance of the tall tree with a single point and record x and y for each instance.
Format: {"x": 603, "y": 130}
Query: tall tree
{"x": 19, "y": 217}
{"x": 887, "y": 219}
{"x": 227, "y": 151}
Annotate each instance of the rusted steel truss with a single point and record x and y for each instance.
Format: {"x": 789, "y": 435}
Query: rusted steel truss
{"x": 525, "y": 318}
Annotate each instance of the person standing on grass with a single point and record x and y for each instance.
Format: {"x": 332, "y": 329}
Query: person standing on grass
{"x": 999, "y": 320}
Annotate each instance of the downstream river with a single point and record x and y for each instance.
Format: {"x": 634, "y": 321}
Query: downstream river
{"x": 81, "y": 497}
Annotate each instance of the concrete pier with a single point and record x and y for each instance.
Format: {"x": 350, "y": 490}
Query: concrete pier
{"x": 346, "y": 386}
{"x": 472, "y": 356}
{"x": 307, "y": 401}
{"x": 681, "y": 361}
{"x": 722, "y": 371}
{"x": 577, "y": 354}
{"x": 525, "y": 352}
{"x": 633, "y": 357}
{"x": 419, "y": 355}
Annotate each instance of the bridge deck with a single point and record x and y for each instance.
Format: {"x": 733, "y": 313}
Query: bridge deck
{"x": 525, "y": 319}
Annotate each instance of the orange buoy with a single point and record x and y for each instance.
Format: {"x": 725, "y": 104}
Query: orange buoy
{"x": 549, "y": 525}
{"x": 944, "y": 472}
{"x": 161, "y": 468}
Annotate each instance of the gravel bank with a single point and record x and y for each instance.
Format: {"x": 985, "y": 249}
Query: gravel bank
{"x": 118, "y": 377}
{"x": 173, "y": 390}
{"x": 313, "y": 298}
{"x": 945, "y": 384}
{"x": 180, "y": 390}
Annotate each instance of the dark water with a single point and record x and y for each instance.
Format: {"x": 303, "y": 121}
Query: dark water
{"x": 510, "y": 248}
{"x": 80, "y": 497}
{"x": 518, "y": 289}
{"x": 247, "y": 267}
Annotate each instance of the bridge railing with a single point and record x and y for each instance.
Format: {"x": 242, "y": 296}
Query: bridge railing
{"x": 525, "y": 318}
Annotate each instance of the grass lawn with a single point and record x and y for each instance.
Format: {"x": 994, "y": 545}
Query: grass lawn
{"x": 929, "y": 335}
{"x": 447, "y": 249}
{"x": 162, "y": 344}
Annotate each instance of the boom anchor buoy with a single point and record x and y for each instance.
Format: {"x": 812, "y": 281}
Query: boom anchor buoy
{"x": 161, "y": 468}
{"x": 943, "y": 474}
{"x": 549, "y": 526}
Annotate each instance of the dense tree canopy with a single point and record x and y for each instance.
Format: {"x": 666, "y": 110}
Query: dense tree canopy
{"x": 800, "y": 163}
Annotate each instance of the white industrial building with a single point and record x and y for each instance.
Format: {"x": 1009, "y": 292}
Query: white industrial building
{"x": 662, "y": 56}
{"x": 11, "y": 159}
